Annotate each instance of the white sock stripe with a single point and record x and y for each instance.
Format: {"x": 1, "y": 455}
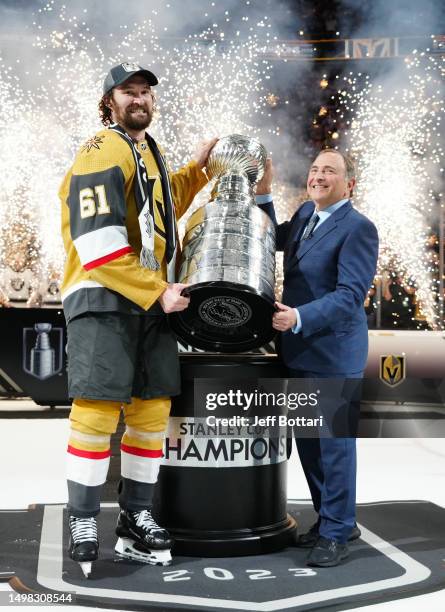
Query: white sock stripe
{"x": 88, "y": 472}
{"x": 141, "y": 469}
{"x": 144, "y": 435}
{"x": 84, "y": 437}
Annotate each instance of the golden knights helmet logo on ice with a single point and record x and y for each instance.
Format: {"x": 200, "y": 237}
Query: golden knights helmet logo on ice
{"x": 392, "y": 369}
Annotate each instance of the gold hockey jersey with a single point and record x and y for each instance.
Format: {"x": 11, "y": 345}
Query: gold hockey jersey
{"x": 100, "y": 226}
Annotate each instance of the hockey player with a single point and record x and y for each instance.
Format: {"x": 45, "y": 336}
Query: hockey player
{"x": 119, "y": 210}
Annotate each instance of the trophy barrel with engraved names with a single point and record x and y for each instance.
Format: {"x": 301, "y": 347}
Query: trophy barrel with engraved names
{"x": 228, "y": 256}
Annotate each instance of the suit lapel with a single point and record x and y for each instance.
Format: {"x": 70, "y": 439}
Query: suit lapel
{"x": 298, "y": 229}
{"x": 325, "y": 228}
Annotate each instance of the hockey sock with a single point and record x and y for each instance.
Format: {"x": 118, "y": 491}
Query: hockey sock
{"x": 88, "y": 456}
{"x": 141, "y": 451}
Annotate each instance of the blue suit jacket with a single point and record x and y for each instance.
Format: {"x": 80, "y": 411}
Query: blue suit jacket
{"x": 327, "y": 278}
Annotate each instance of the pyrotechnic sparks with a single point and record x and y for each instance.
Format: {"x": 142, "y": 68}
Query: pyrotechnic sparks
{"x": 209, "y": 85}
{"x": 394, "y": 135}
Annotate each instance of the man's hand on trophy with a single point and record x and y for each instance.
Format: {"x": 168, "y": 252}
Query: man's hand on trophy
{"x": 285, "y": 318}
{"x": 172, "y": 300}
{"x": 264, "y": 186}
{"x": 203, "y": 151}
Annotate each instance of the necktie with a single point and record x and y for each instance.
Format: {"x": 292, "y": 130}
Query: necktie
{"x": 310, "y": 227}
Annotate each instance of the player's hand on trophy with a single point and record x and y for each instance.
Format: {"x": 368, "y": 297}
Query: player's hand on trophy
{"x": 172, "y": 300}
{"x": 203, "y": 151}
{"x": 285, "y": 318}
{"x": 264, "y": 186}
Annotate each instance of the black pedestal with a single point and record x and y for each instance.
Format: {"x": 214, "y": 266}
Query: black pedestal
{"x": 223, "y": 495}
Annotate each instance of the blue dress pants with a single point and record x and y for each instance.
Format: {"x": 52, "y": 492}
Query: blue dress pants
{"x": 330, "y": 466}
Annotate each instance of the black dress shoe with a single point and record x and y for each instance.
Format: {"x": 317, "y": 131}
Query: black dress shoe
{"x": 327, "y": 553}
{"x": 307, "y": 540}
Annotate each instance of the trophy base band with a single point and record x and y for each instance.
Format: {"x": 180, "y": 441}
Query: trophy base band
{"x": 236, "y": 543}
{"x": 224, "y": 317}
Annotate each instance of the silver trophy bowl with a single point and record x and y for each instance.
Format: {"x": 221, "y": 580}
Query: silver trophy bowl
{"x": 228, "y": 256}
{"x": 238, "y": 155}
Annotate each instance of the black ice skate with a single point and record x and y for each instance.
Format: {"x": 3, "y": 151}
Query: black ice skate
{"x": 84, "y": 545}
{"x": 142, "y": 539}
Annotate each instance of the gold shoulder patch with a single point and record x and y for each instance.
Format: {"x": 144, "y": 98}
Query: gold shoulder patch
{"x": 92, "y": 143}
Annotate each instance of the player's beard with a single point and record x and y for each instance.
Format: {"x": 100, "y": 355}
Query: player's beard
{"x": 129, "y": 119}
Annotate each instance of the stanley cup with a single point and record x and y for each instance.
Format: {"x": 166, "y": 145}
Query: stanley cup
{"x": 42, "y": 355}
{"x": 228, "y": 256}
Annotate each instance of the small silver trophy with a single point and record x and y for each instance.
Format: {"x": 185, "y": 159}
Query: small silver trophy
{"x": 42, "y": 355}
{"x": 228, "y": 256}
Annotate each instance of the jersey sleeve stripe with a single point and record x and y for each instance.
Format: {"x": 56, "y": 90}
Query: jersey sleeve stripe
{"x": 103, "y": 260}
{"x": 106, "y": 243}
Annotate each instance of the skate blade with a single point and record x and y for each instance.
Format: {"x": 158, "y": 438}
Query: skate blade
{"x": 86, "y": 567}
{"x": 125, "y": 549}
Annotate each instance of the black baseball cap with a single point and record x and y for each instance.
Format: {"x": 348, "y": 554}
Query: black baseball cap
{"x": 120, "y": 73}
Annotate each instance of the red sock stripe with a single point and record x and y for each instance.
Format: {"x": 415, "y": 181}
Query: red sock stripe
{"x": 106, "y": 258}
{"x": 89, "y": 454}
{"x": 141, "y": 452}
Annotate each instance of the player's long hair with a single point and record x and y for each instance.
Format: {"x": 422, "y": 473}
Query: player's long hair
{"x": 105, "y": 110}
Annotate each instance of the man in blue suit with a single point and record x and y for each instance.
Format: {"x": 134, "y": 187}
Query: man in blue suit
{"x": 330, "y": 257}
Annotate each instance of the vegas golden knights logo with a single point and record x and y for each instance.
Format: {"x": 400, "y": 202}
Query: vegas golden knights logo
{"x": 392, "y": 369}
